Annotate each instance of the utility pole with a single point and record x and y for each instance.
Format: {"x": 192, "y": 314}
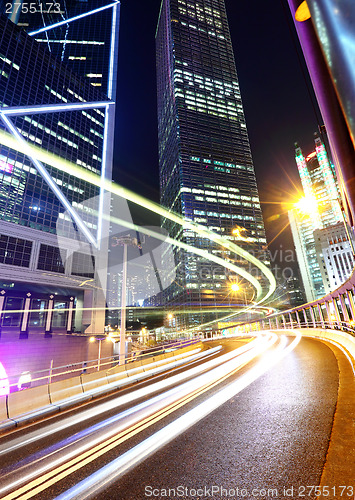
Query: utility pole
{"x": 124, "y": 241}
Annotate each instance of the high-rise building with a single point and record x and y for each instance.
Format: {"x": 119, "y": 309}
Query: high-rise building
{"x": 295, "y": 292}
{"x": 318, "y": 219}
{"x": 335, "y": 255}
{"x": 84, "y": 44}
{"x": 57, "y": 91}
{"x": 205, "y": 162}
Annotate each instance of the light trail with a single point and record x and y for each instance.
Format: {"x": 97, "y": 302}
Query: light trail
{"x": 150, "y": 412}
{"x": 115, "y": 469}
{"x": 85, "y": 175}
{"x": 32, "y": 437}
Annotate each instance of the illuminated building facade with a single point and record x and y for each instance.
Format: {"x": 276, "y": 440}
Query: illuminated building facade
{"x": 206, "y": 167}
{"x": 52, "y": 226}
{"x": 312, "y": 229}
{"x": 295, "y": 292}
{"x": 334, "y": 254}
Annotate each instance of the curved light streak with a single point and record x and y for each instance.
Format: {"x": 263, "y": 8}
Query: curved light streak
{"x": 43, "y": 172}
{"x": 115, "y": 469}
{"x": 73, "y": 459}
{"x": 202, "y": 231}
{"x": 198, "y": 251}
{"x": 17, "y": 443}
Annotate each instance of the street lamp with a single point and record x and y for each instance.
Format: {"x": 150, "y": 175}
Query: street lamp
{"x": 237, "y": 232}
{"x": 125, "y": 241}
{"x": 307, "y": 205}
{"x": 93, "y": 339}
{"x": 235, "y": 287}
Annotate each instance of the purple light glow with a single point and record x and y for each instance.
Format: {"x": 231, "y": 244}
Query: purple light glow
{"x": 4, "y": 382}
{"x": 6, "y": 167}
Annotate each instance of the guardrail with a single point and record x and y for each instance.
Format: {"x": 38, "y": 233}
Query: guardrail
{"x": 29, "y": 404}
{"x": 335, "y": 311}
{"x": 56, "y": 373}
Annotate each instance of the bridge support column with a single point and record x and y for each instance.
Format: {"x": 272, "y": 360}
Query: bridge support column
{"x": 277, "y": 323}
{"x": 337, "y": 313}
{"x": 320, "y": 312}
{"x": 330, "y": 318}
{"x": 343, "y": 308}
{"x": 283, "y": 321}
{"x": 313, "y": 317}
{"x": 70, "y": 316}
{"x": 25, "y": 318}
{"x": 298, "y": 319}
{"x": 291, "y": 320}
{"x": 350, "y": 296}
{"x": 305, "y": 317}
{"x": 49, "y": 319}
{"x": 2, "y": 301}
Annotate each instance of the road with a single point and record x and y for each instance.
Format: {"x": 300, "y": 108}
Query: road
{"x": 257, "y": 426}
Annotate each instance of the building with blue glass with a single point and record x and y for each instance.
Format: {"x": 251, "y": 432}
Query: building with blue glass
{"x": 57, "y": 95}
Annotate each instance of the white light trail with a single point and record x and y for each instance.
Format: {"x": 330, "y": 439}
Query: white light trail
{"x": 115, "y": 469}
{"x": 73, "y": 457}
{"x": 17, "y": 443}
{"x": 202, "y": 231}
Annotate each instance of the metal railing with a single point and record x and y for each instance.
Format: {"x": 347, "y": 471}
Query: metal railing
{"x": 57, "y": 373}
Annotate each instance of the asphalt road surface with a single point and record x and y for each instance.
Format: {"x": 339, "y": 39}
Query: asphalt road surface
{"x": 256, "y": 426}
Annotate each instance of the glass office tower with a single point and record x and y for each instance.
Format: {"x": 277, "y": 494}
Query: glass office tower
{"x": 56, "y": 129}
{"x": 205, "y": 162}
{"x": 84, "y": 45}
{"x": 318, "y": 226}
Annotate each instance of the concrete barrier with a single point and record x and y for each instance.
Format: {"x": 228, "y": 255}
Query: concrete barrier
{"x": 28, "y": 401}
{"x": 343, "y": 338}
{"x": 26, "y": 405}
{"x": 147, "y": 360}
{"x": 94, "y": 380}
{"x": 3, "y": 408}
{"x": 117, "y": 373}
{"x": 65, "y": 389}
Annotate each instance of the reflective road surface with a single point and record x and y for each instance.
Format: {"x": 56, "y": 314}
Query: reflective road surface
{"x": 247, "y": 418}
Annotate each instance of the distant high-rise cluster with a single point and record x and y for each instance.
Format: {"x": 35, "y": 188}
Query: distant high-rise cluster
{"x": 319, "y": 232}
{"x": 206, "y": 168}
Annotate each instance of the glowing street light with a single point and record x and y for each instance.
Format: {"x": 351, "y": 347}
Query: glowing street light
{"x": 237, "y": 232}
{"x": 235, "y": 287}
{"x": 303, "y": 12}
{"x": 307, "y": 205}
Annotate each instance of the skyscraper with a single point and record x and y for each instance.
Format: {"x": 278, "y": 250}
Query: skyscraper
{"x": 316, "y": 222}
{"x": 52, "y": 221}
{"x": 205, "y": 162}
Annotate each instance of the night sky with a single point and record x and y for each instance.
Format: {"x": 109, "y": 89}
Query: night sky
{"x": 278, "y": 100}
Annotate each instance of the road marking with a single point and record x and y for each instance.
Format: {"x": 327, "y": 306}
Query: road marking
{"x": 45, "y": 481}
